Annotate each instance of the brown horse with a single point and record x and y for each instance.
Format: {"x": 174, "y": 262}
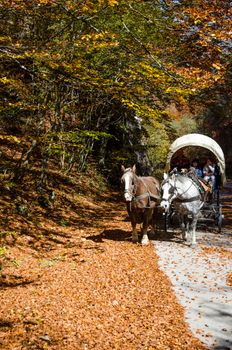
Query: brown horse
{"x": 141, "y": 195}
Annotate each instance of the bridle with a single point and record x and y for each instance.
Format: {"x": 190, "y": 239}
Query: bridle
{"x": 133, "y": 189}
{"x": 178, "y": 197}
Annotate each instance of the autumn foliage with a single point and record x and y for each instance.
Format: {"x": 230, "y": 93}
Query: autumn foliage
{"x": 86, "y": 86}
{"x": 90, "y": 68}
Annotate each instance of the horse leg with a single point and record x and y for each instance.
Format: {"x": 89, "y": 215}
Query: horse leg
{"x": 187, "y": 221}
{"x": 145, "y": 239}
{"x": 132, "y": 217}
{"x": 154, "y": 220}
{"x": 135, "y": 237}
{"x": 183, "y": 227}
{"x": 146, "y": 219}
{"x": 193, "y": 231}
{"x": 134, "y": 231}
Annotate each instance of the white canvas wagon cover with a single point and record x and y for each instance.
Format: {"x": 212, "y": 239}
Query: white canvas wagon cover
{"x": 198, "y": 140}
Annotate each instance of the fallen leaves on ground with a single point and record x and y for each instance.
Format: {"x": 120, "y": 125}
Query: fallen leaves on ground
{"x": 88, "y": 287}
{"x": 217, "y": 250}
{"x": 229, "y": 279}
{"x": 223, "y": 254}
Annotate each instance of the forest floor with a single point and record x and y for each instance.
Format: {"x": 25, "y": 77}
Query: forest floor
{"x": 72, "y": 279}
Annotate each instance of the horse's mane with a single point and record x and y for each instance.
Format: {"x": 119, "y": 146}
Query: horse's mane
{"x": 182, "y": 178}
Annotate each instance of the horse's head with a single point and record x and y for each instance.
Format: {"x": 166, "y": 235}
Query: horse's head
{"x": 168, "y": 191}
{"x": 128, "y": 180}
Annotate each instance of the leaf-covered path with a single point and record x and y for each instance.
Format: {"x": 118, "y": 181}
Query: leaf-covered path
{"x": 86, "y": 286}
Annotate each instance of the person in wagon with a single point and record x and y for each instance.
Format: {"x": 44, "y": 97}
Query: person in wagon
{"x": 208, "y": 172}
{"x": 195, "y": 168}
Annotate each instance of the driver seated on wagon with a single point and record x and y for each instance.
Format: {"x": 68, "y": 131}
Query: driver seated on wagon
{"x": 209, "y": 173}
{"x": 204, "y": 175}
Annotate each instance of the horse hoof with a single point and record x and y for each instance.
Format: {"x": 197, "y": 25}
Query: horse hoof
{"x": 193, "y": 245}
{"x": 145, "y": 242}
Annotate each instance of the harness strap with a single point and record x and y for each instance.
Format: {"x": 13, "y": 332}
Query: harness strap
{"x": 148, "y": 194}
{"x": 188, "y": 200}
{"x": 145, "y": 195}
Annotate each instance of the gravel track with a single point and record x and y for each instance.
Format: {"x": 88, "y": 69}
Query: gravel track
{"x": 199, "y": 279}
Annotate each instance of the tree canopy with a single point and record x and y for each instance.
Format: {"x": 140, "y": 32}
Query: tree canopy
{"x": 104, "y": 81}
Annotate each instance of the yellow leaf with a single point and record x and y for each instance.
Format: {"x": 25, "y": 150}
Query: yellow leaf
{"x": 216, "y": 66}
{"x": 113, "y": 2}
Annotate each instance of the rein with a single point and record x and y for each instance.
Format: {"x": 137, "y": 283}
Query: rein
{"x": 146, "y": 194}
{"x": 182, "y": 200}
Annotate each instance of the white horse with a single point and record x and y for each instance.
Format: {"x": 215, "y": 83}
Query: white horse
{"x": 183, "y": 193}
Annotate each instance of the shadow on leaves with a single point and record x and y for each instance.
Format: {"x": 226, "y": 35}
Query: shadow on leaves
{"x": 12, "y": 281}
{"x": 113, "y": 235}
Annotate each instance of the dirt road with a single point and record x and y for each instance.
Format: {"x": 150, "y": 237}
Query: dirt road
{"x": 85, "y": 285}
